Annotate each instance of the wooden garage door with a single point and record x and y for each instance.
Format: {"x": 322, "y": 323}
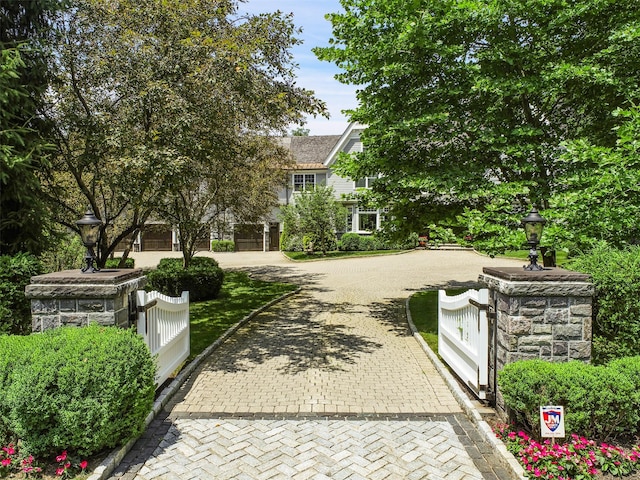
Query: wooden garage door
{"x": 157, "y": 238}
{"x": 249, "y": 238}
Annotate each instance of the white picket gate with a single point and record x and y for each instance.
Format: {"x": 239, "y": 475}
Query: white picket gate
{"x": 164, "y": 323}
{"x": 463, "y": 337}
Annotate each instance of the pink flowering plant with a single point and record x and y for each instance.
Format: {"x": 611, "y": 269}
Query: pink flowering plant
{"x": 577, "y": 459}
{"x": 12, "y": 462}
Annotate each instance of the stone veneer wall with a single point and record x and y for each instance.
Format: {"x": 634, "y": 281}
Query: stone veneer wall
{"x": 538, "y": 315}
{"x": 71, "y": 297}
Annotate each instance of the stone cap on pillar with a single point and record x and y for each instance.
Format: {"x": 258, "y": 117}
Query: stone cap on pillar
{"x": 74, "y": 283}
{"x": 548, "y": 282}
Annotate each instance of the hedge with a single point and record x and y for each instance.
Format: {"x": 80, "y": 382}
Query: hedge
{"x": 203, "y": 279}
{"x": 223, "y": 246}
{"x": 78, "y": 389}
{"x": 601, "y": 402}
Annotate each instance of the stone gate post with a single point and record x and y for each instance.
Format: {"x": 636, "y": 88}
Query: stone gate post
{"x": 538, "y": 315}
{"x": 71, "y": 297}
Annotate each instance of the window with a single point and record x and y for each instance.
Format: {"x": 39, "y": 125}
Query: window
{"x": 367, "y": 220}
{"x": 366, "y": 182}
{"x": 302, "y": 182}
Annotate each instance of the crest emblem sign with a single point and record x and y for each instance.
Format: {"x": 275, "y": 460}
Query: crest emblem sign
{"x": 552, "y": 421}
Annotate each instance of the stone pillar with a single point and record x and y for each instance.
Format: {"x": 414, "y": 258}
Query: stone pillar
{"x": 543, "y": 315}
{"x": 71, "y": 297}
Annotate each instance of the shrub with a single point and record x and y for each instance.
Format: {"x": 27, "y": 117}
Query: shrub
{"x": 600, "y": 402}
{"x": 15, "y": 309}
{"x": 616, "y": 308}
{"x": 203, "y": 279}
{"x": 350, "y": 242}
{"x": 115, "y": 263}
{"x": 223, "y": 246}
{"x": 82, "y": 389}
{"x": 292, "y": 243}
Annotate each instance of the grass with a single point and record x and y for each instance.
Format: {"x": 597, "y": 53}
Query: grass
{"x": 424, "y": 313}
{"x": 304, "y": 256}
{"x": 239, "y": 296}
{"x": 561, "y": 256}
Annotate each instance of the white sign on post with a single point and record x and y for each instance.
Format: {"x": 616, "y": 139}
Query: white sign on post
{"x": 552, "y": 421}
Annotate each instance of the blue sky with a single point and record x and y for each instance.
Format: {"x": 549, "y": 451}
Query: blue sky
{"x": 312, "y": 73}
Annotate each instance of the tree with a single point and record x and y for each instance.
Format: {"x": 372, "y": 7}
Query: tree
{"x": 153, "y": 105}
{"x": 300, "y": 132}
{"x": 25, "y": 29}
{"x": 468, "y": 103}
{"x": 316, "y": 215}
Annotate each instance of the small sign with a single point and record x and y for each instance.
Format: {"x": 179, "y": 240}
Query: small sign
{"x": 552, "y": 421}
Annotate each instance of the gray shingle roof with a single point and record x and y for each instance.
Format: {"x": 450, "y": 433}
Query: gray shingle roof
{"x": 310, "y": 151}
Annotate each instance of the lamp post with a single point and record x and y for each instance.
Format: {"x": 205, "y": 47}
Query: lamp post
{"x": 533, "y": 226}
{"x": 89, "y": 227}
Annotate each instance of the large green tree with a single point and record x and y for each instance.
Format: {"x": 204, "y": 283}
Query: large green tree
{"x": 154, "y": 103}
{"x": 468, "y": 103}
{"x": 25, "y": 33}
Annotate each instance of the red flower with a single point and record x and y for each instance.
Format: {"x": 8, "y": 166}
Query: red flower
{"x": 6, "y": 462}
{"x": 83, "y": 464}
{"x": 60, "y": 471}
{"x": 62, "y": 457}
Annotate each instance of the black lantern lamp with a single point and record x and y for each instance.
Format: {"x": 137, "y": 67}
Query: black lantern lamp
{"x": 533, "y": 225}
{"x": 89, "y": 227}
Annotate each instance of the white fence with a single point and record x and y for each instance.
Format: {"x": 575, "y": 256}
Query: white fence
{"x": 164, "y": 323}
{"x": 463, "y": 337}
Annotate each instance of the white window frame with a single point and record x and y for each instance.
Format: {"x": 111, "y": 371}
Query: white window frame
{"x": 306, "y": 183}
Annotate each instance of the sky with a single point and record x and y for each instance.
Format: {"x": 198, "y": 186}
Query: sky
{"x": 313, "y": 74}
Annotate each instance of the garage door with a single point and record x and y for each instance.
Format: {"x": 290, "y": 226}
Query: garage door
{"x": 249, "y": 238}
{"x": 156, "y": 238}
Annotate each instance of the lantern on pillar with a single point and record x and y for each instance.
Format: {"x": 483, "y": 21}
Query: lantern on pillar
{"x": 89, "y": 227}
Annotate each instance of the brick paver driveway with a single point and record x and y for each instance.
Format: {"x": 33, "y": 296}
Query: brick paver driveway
{"x": 328, "y": 383}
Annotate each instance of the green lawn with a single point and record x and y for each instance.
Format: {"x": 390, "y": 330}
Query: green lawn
{"x": 303, "y": 256}
{"x": 424, "y": 313}
{"x": 240, "y": 295}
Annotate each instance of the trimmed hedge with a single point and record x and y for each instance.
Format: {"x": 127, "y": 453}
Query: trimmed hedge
{"x": 115, "y": 262}
{"x": 616, "y": 306}
{"x": 223, "y": 246}
{"x": 15, "y": 309}
{"x": 80, "y": 389}
{"x": 203, "y": 279}
{"x": 601, "y": 402}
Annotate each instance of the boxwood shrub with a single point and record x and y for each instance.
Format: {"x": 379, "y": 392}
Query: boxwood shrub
{"x": 601, "y": 401}
{"x": 203, "y": 279}
{"x": 223, "y": 246}
{"x": 80, "y": 389}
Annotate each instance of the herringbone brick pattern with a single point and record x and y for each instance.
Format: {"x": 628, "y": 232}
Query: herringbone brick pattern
{"x": 231, "y": 448}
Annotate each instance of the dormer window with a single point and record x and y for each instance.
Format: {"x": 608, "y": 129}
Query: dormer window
{"x": 302, "y": 182}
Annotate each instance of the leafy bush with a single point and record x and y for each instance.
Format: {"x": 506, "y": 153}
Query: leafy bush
{"x": 601, "y": 402}
{"x": 115, "y": 262}
{"x": 616, "y": 308}
{"x": 15, "y": 309}
{"x": 81, "y": 389}
{"x": 67, "y": 253}
{"x": 350, "y": 242}
{"x": 203, "y": 279}
{"x": 223, "y": 246}
{"x": 291, "y": 243}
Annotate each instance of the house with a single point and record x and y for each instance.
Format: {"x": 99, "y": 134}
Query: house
{"x": 314, "y": 157}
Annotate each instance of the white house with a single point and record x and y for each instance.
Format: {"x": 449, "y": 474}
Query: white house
{"x": 314, "y": 157}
